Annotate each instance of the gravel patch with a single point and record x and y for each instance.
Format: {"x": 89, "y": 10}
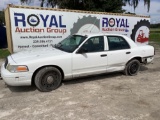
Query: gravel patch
{"x": 103, "y": 97}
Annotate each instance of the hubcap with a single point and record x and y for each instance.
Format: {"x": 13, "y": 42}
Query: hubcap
{"x": 134, "y": 68}
{"x": 50, "y": 79}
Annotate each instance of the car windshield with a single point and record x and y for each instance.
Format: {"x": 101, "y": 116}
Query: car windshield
{"x": 70, "y": 43}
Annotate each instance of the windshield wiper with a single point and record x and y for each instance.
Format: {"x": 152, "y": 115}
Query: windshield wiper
{"x": 53, "y": 45}
{"x": 59, "y": 46}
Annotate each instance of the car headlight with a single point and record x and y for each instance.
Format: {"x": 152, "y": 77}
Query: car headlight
{"x": 17, "y": 68}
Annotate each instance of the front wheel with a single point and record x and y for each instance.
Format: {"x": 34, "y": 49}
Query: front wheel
{"x": 48, "y": 79}
{"x": 132, "y": 67}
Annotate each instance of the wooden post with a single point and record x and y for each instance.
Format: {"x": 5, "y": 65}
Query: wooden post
{"x": 8, "y": 29}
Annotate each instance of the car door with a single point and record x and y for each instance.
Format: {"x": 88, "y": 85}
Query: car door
{"x": 118, "y": 53}
{"x": 90, "y": 58}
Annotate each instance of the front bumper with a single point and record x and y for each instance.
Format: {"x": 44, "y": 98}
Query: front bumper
{"x": 16, "y": 79}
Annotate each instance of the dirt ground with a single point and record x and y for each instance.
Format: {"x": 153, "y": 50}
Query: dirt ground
{"x": 103, "y": 97}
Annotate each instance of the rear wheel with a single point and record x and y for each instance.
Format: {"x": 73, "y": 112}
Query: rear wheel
{"x": 132, "y": 67}
{"x": 48, "y": 79}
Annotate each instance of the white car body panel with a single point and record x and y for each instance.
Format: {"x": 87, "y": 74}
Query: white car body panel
{"x": 39, "y": 58}
{"x": 88, "y": 63}
{"x": 116, "y": 60}
{"x": 74, "y": 64}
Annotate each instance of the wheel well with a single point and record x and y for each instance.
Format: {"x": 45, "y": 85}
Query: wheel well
{"x": 35, "y": 72}
{"x": 137, "y": 58}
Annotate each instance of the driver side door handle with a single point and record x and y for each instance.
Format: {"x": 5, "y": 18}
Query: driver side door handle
{"x": 128, "y": 52}
{"x": 103, "y": 55}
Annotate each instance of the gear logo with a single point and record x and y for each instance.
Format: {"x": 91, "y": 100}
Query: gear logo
{"x": 33, "y": 20}
{"x": 140, "y": 33}
{"x": 86, "y": 25}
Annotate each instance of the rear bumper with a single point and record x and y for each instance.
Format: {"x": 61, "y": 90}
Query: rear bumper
{"x": 148, "y": 60}
{"x": 16, "y": 79}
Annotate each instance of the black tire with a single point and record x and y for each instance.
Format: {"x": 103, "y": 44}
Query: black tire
{"x": 132, "y": 68}
{"x": 48, "y": 79}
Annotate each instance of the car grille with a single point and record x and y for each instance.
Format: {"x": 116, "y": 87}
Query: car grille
{"x": 6, "y": 63}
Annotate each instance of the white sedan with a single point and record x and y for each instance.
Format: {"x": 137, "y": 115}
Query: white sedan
{"x": 75, "y": 56}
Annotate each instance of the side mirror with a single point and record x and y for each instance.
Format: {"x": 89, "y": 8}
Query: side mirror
{"x": 82, "y": 50}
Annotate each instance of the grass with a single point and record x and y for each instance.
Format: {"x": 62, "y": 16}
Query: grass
{"x": 4, "y": 53}
{"x": 155, "y": 35}
{"x": 155, "y": 30}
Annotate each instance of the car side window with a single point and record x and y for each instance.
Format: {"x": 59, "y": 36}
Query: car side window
{"x": 94, "y": 44}
{"x": 117, "y": 43}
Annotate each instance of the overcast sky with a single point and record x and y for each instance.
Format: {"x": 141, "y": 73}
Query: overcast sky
{"x": 140, "y": 10}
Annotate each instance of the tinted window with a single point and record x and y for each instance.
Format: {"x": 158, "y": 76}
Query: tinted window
{"x": 94, "y": 44}
{"x": 117, "y": 43}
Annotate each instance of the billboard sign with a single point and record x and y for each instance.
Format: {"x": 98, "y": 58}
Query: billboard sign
{"x": 34, "y": 28}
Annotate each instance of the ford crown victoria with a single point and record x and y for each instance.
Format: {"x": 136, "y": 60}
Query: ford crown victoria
{"x": 75, "y": 56}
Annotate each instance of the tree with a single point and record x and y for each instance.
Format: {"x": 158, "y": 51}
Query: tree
{"x": 51, "y": 3}
{"x": 29, "y": 1}
{"x": 93, "y": 5}
{"x": 134, "y": 3}
{"x": 90, "y": 5}
{"x": 25, "y": 1}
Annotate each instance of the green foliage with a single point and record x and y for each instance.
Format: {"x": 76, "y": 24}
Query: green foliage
{"x": 155, "y": 35}
{"x": 155, "y": 25}
{"x": 52, "y": 3}
{"x": 89, "y": 5}
{"x": 133, "y": 3}
{"x": 48, "y": 3}
{"x": 4, "y": 53}
{"x": 93, "y": 5}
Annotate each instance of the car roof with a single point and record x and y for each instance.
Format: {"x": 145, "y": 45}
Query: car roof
{"x": 97, "y": 34}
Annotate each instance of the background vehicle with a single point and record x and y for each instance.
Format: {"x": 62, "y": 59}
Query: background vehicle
{"x": 77, "y": 55}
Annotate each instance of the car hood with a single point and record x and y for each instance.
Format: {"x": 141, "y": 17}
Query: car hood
{"x": 30, "y": 55}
